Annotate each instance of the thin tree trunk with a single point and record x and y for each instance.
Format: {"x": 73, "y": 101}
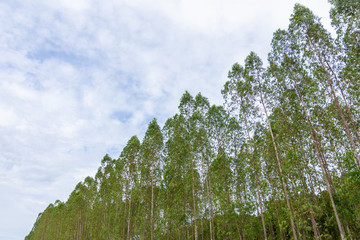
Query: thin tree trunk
{"x": 273, "y": 189}
{"x": 346, "y": 126}
{"x": 237, "y": 221}
{"x": 256, "y": 179}
{"x": 282, "y": 235}
{"x": 348, "y": 230}
{"x": 346, "y": 104}
{"x": 313, "y": 221}
{"x": 144, "y": 228}
{"x": 194, "y": 205}
{"x": 260, "y": 203}
{"x": 296, "y": 198}
{"x": 208, "y": 185}
{"x": 311, "y": 211}
{"x": 228, "y": 203}
{"x": 238, "y": 229}
{"x": 81, "y": 226}
{"x": 317, "y": 146}
{"x": 61, "y": 226}
{"x": 129, "y": 218}
{"x": 314, "y": 225}
{"x": 152, "y": 200}
{"x": 280, "y": 169}
{"x": 202, "y": 228}
{"x": 124, "y": 221}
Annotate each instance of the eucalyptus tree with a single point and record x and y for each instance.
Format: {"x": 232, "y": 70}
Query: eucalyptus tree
{"x": 293, "y": 138}
{"x": 128, "y": 172}
{"x": 285, "y": 55}
{"x": 174, "y": 178}
{"x": 345, "y": 17}
{"x": 61, "y": 215}
{"x": 77, "y": 203}
{"x": 255, "y": 74}
{"x": 187, "y": 110}
{"x": 238, "y": 94}
{"x": 320, "y": 55}
{"x": 150, "y": 162}
{"x": 89, "y": 194}
{"x": 119, "y": 182}
{"x": 41, "y": 227}
{"x": 203, "y": 150}
{"x": 288, "y": 126}
{"x": 264, "y": 153}
{"x": 105, "y": 179}
{"x": 241, "y": 177}
{"x": 221, "y": 173}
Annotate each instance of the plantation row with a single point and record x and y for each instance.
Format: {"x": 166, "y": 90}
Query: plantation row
{"x": 279, "y": 160}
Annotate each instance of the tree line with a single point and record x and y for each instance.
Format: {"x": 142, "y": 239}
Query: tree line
{"x": 279, "y": 160}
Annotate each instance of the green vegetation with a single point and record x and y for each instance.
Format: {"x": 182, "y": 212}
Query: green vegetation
{"x": 280, "y": 159}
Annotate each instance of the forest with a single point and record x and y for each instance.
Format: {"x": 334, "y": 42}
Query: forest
{"x": 278, "y": 160}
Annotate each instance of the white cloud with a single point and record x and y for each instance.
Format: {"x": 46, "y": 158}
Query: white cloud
{"x": 8, "y": 117}
{"x": 78, "y": 5}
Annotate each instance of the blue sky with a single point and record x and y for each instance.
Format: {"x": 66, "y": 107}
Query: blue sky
{"x": 78, "y": 78}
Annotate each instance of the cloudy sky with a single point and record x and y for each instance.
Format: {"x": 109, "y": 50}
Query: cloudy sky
{"x": 78, "y": 78}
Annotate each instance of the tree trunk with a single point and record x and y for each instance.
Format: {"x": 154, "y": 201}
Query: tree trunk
{"x": 124, "y": 221}
{"x": 314, "y": 225}
{"x": 194, "y": 205}
{"x": 256, "y": 180}
{"x": 280, "y": 170}
{"x": 129, "y": 217}
{"x": 334, "y": 97}
{"x": 260, "y": 203}
{"x": 317, "y": 150}
{"x": 273, "y": 189}
{"x": 152, "y": 200}
{"x": 346, "y": 104}
{"x": 208, "y": 185}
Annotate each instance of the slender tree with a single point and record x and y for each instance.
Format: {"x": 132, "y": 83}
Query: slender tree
{"x": 150, "y": 162}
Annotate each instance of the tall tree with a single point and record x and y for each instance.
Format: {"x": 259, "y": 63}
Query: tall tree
{"x": 151, "y": 171}
{"x": 129, "y": 156}
{"x": 255, "y": 74}
{"x": 319, "y": 53}
{"x": 238, "y": 93}
{"x": 293, "y": 68}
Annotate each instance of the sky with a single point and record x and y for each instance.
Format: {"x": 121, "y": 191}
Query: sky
{"x": 78, "y": 78}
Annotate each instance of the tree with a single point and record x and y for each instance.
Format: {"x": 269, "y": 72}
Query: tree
{"x": 151, "y": 172}
{"x": 129, "y": 156}
{"x": 238, "y": 94}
